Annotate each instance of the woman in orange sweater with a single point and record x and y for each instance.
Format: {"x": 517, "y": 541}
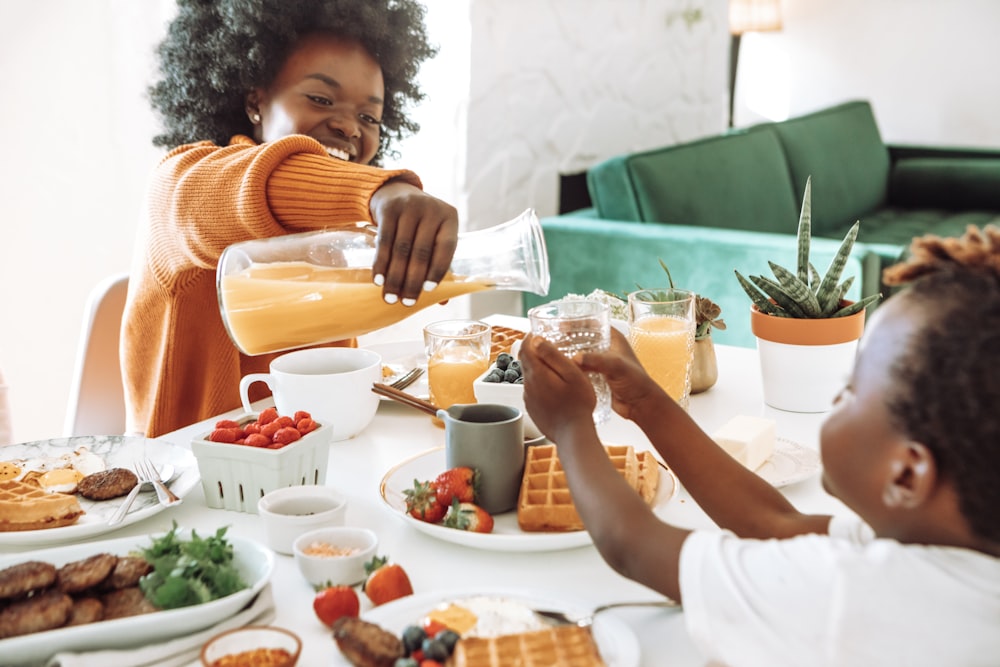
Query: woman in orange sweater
{"x": 277, "y": 113}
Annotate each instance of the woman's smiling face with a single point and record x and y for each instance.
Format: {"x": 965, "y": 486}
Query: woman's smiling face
{"x": 330, "y": 89}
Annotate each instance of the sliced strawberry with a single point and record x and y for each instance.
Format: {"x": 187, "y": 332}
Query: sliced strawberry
{"x": 470, "y": 517}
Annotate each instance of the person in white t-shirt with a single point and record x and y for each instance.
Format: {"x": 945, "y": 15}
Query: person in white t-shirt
{"x": 912, "y": 446}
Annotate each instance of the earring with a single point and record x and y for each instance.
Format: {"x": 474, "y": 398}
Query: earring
{"x": 255, "y": 118}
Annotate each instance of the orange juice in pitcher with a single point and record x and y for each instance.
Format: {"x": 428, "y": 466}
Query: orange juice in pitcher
{"x": 305, "y": 289}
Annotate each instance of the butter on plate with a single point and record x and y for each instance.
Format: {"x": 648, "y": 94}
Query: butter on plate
{"x": 749, "y": 440}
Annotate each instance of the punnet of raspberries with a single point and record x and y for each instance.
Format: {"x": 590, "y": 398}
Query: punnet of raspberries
{"x": 269, "y": 431}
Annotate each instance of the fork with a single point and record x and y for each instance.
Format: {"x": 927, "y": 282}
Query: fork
{"x": 408, "y": 378}
{"x": 562, "y": 618}
{"x": 148, "y": 473}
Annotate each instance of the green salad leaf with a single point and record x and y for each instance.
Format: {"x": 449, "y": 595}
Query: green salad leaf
{"x": 189, "y": 572}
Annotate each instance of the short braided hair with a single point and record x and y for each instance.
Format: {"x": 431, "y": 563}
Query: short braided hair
{"x": 216, "y": 51}
{"x": 947, "y": 382}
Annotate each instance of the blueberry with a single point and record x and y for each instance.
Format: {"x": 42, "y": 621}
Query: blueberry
{"x": 510, "y": 375}
{"x": 519, "y": 380}
{"x": 449, "y": 638}
{"x": 413, "y": 638}
{"x": 492, "y": 377}
{"x": 515, "y": 365}
{"x": 503, "y": 359}
{"x": 435, "y": 650}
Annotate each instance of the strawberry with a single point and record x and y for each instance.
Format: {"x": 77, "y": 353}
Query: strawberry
{"x": 333, "y": 602}
{"x": 422, "y": 503}
{"x": 467, "y": 516}
{"x": 386, "y": 581}
{"x": 461, "y": 483}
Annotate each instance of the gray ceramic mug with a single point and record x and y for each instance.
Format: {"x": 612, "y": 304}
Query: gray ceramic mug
{"x": 488, "y": 438}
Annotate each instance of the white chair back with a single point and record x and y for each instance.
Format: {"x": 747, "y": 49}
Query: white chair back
{"x": 97, "y": 397}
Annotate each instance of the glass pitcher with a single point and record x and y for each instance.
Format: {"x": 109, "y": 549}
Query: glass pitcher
{"x": 304, "y": 289}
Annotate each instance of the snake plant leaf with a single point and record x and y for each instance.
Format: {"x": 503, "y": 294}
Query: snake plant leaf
{"x": 777, "y": 292}
{"x": 758, "y": 297}
{"x": 796, "y": 290}
{"x": 837, "y": 296}
{"x": 805, "y": 232}
{"x": 852, "y": 308}
{"x": 814, "y": 278}
{"x": 832, "y": 276}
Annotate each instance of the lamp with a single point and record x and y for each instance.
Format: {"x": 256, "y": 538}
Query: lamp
{"x": 748, "y": 16}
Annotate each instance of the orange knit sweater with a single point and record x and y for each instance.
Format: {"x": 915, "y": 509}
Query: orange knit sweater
{"x": 178, "y": 363}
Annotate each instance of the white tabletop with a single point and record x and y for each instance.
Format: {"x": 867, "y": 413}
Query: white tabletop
{"x": 578, "y": 576}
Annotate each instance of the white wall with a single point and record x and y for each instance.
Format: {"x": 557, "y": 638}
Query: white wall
{"x": 523, "y": 90}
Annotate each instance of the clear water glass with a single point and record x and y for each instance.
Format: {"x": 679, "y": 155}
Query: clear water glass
{"x": 575, "y": 327}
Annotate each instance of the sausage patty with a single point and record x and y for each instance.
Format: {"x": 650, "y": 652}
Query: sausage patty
{"x": 45, "y": 611}
{"x": 83, "y": 574}
{"x": 365, "y": 644}
{"x": 18, "y": 580}
{"x": 107, "y": 484}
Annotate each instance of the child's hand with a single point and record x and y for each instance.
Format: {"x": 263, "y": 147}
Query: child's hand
{"x": 627, "y": 379}
{"x": 557, "y": 394}
{"x": 417, "y": 236}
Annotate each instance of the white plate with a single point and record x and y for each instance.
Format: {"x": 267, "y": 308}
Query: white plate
{"x": 790, "y": 463}
{"x": 401, "y": 357}
{"x": 118, "y": 451}
{"x": 506, "y": 535}
{"x": 254, "y": 561}
{"x": 617, "y": 642}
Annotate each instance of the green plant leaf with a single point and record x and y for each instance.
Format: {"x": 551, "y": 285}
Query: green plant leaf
{"x": 814, "y": 278}
{"x": 670, "y": 278}
{"x": 777, "y": 292}
{"x": 805, "y": 232}
{"x": 832, "y": 277}
{"x": 759, "y": 298}
{"x": 857, "y": 305}
{"x": 796, "y": 290}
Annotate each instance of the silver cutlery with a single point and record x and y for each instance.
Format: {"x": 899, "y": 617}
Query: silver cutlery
{"x": 144, "y": 479}
{"x": 562, "y": 618}
{"x": 148, "y": 473}
{"x": 408, "y": 378}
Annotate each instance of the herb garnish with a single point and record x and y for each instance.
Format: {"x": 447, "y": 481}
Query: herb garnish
{"x": 190, "y": 572}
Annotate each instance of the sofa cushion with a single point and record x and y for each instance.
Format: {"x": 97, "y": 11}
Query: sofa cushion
{"x": 735, "y": 181}
{"x": 958, "y": 184}
{"x": 841, "y": 148}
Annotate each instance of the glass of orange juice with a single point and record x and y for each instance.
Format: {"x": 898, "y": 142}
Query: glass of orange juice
{"x": 661, "y": 332}
{"x": 458, "y": 351}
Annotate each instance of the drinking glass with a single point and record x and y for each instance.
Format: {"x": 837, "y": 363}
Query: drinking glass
{"x": 458, "y": 351}
{"x": 574, "y": 327}
{"x": 661, "y": 332}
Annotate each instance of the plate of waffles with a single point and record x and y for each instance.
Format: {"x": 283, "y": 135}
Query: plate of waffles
{"x": 546, "y": 519}
{"x": 507, "y": 613}
{"x": 66, "y": 517}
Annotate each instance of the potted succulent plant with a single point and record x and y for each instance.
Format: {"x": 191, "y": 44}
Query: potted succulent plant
{"x": 806, "y": 331}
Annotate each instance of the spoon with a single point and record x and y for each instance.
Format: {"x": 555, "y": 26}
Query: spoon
{"x": 562, "y": 618}
{"x": 166, "y": 472}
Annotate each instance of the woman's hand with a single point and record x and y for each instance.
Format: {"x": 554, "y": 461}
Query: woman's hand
{"x": 417, "y": 236}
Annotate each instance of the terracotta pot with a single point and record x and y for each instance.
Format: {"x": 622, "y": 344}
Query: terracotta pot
{"x": 704, "y": 369}
{"x": 805, "y": 362}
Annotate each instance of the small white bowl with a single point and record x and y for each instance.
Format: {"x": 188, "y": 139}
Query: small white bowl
{"x": 248, "y": 638}
{"x": 348, "y": 569}
{"x": 294, "y": 510}
{"x": 505, "y": 393}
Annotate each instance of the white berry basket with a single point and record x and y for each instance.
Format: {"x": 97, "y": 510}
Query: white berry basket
{"x": 235, "y": 477}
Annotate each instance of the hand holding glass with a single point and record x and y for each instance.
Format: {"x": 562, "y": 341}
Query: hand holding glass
{"x": 574, "y": 327}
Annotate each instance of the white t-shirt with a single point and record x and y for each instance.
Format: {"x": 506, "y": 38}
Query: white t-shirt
{"x": 846, "y": 599}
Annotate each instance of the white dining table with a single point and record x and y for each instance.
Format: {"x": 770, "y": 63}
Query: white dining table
{"x": 578, "y": 575}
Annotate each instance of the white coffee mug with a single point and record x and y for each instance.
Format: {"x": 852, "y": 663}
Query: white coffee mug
{"x": 333, "y": 384}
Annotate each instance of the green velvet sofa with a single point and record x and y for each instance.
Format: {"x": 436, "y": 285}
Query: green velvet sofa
{"x": 731, "y": 202}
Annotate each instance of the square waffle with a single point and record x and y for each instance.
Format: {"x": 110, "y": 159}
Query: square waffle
{"x": 502, "y": 339}
{"x": 545, "y": 503}
{"x": 560, "y": 646}
{"x": 25, "y": 506}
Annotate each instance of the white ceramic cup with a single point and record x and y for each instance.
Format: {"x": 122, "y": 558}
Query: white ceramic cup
{"x": 290, "y": 511}
{"x": 333, "y": 384}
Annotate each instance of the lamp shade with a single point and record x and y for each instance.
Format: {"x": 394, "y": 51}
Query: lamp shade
{"x": 754, "y": 16}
